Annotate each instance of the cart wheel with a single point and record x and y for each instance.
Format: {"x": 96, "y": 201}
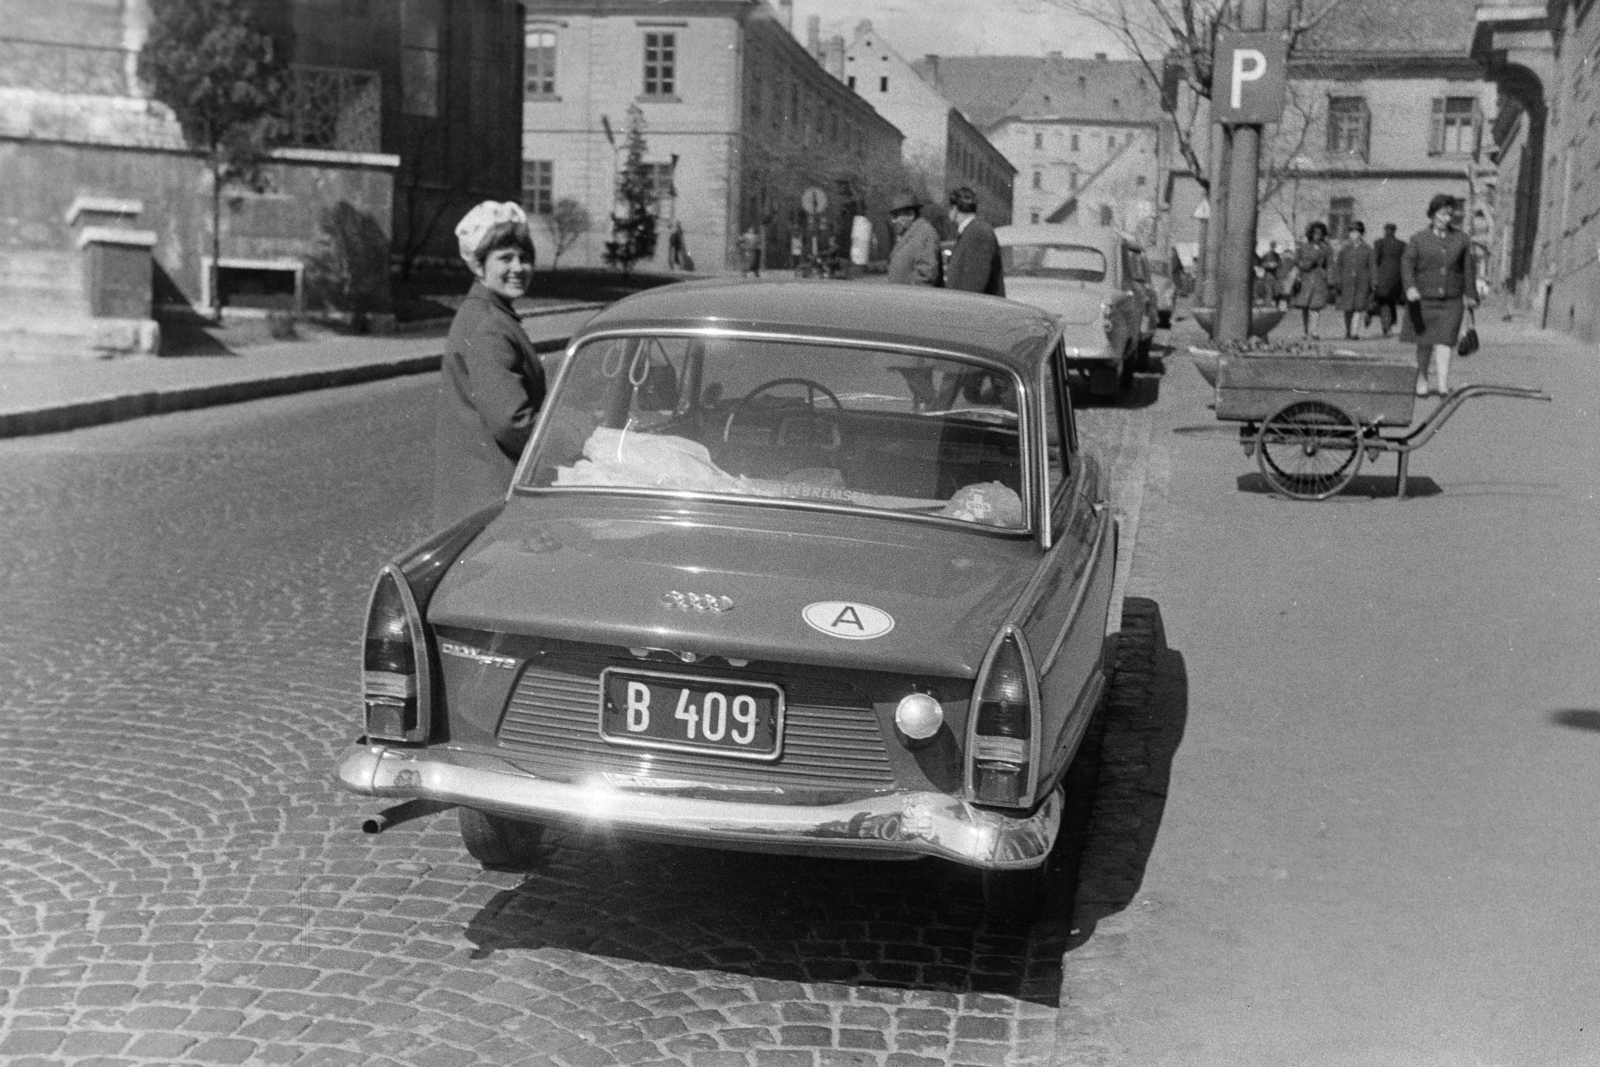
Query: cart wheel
{"x": 1309, "y": 450}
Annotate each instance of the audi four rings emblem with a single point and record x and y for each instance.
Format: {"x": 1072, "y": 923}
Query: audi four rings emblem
{"x": 701, "y": 602}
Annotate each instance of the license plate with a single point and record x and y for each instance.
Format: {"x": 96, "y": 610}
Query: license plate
{"x": 683, "y": 713}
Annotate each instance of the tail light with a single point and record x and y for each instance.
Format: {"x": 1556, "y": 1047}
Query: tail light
{"x": 395, "y": 679}
{"x": 1106, "y": 321}
{"x": 1005, "y": 729}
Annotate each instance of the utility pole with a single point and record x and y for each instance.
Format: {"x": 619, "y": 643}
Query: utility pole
{"x": 1248, "y": 66}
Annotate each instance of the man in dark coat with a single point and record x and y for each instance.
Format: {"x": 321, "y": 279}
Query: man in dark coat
{"x": 492, "y": 383}
{"x": 975, "y": 263}
{"x": 1387, "y": 292}
{"x": 1353, "y": 277}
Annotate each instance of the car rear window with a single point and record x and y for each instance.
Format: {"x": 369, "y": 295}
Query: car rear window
{"x": 1080, "y": 263}
{"x": 778, "y": 421}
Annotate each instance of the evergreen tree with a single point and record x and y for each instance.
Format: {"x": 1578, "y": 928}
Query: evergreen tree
{"x": 633, "y": 232}
{"x": 226, "y": 81}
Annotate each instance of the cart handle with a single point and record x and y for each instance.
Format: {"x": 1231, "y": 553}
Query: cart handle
{"x": 1430, "y": 426}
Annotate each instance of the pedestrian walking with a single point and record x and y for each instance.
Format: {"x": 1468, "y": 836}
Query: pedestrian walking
{"x": 975, "y": 263}
{"x": 1268, "y": 264}
{"x": 1353, "y": 277}
{"x": 1310, "y": 286}
{"x": 1441, "y": 282}
{"x": 1386, "y": 288}
{"x": 492, "y": 383}
{"x": 915, "y": 258}
{"x": 675, "y": 251}
{"x": 750, "y": 252}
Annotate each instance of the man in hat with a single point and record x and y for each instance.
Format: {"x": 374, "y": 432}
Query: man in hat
{"x": 915, "y": 259}
{"x": 975, "y": 264}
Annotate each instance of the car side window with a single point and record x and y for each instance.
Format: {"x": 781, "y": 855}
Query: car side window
{"x": 1134, "y": 266}
{"x": 1058, "y": 439}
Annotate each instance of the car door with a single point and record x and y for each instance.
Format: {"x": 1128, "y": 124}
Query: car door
{"x": 1065, "y": 625}
{"x": 1137, "y": 282}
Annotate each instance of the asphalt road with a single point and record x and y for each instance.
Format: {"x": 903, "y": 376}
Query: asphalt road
{"x": 1373, "y": 759}
{"x": 181, "y": 880}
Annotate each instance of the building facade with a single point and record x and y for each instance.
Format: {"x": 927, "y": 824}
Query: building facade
{"x": 91, "y": 159}
{"x": 738, "y": 118}
{"x": 942, "y": 148}
{"x": 1541, "y": 56}
{"x": 1087, "y": 136}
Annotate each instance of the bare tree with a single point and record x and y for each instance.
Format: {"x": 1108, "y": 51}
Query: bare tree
{"x": 567, "y": 222}
{"x": 1173, "y": 40}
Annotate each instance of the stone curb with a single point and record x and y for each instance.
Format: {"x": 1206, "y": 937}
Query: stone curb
{"x": 84, "y": 413}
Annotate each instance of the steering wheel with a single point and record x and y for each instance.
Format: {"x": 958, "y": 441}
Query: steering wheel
{"x": 812, "y": 388}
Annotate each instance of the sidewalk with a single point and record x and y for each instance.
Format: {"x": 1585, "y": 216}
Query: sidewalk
{"x": 51, "y": 397}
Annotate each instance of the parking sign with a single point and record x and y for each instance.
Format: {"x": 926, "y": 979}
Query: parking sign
{"x": 1248, "y": 78}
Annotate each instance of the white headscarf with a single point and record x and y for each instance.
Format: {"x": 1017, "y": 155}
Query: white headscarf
{"x": 476, "y": 224}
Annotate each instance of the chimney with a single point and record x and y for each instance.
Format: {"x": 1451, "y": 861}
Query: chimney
{"x": 833, "y": 56}
{"x": 1100, "y": 56}
{"x": 786, "y": 14}
{"x": 932, "y": 62}
{"x": 814, "y": 35}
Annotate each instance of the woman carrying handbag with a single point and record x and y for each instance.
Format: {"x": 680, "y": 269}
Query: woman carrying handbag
{"x": 1440, "y": 278}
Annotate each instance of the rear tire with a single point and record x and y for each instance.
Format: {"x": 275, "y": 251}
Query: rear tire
{"x": 496, "y": 841}
{"x": 1015, "y": 896}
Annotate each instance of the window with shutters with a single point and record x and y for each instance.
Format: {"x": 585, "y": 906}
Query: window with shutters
{"x": 660, "y": 64}
{"x": 1349, "y": 126}
{"x": 1455, "y": 126}
{"x": 1106, "y": 215}
{"x": 538, "y": 186}
{"x": 658, "y": 183}
{"x": 539, "y": 63}
{"x": 419, "y": 57}
{"x": 1341, "y": 213}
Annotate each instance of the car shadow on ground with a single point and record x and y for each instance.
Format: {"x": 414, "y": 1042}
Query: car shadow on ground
{"x": 916, "y": 925}
{"x": 1144, "y": 724}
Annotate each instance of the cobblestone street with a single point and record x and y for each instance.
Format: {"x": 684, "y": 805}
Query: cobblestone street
{"x": 182, "y": 881}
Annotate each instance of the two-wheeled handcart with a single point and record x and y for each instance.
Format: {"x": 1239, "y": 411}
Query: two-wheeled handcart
{"x": 1309, "y": 420}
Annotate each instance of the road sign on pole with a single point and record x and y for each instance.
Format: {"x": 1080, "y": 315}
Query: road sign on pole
{"x": 814, "y": 201}
{"x": 1249, "y": 78}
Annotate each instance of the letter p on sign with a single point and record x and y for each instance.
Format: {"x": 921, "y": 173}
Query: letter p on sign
{"x": 1249, "y": 65}
{"x": 1248, "y": 79}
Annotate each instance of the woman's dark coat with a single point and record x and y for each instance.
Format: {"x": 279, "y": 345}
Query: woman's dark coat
{"x": 491, "y": 387}
{"x": 1444, "y": 273}
{"x": 1354, "y": 276}
{"x": 1386, "y": 253}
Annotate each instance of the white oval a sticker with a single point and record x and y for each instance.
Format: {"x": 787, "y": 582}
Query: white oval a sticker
{"x": 853, "y": 622}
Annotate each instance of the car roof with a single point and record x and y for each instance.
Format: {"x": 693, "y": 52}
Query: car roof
{"x": 1052, "y": 232}
{"x": 872, "y": 311}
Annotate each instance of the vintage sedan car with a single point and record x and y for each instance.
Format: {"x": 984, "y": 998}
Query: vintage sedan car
{"x": 814, "y": 568}
{"x": 1096, "y": 281}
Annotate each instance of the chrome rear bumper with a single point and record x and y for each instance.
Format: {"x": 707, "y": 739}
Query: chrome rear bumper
{"x": 899, "y": 825}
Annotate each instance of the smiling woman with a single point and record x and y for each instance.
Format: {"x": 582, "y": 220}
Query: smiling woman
{"x": 493, "y": 383}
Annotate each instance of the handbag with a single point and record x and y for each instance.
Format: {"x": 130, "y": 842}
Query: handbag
{"x": 1469, "y": 340}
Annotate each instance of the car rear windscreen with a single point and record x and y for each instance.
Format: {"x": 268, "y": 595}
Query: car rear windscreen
{"x": 1079, "y": 263}
{"x": 774, "y": 421}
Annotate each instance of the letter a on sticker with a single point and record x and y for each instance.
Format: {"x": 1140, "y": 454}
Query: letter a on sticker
{"x": 851, "y": 621}
{"x": 848, "y": 615}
